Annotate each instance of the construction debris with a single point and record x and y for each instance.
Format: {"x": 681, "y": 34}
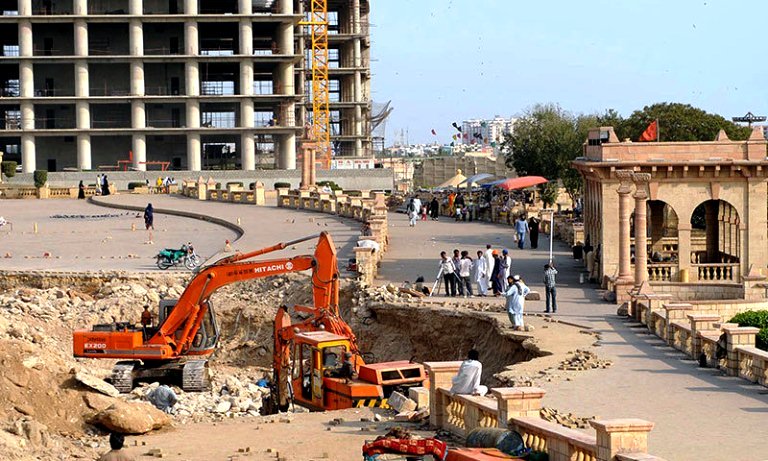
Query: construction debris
{"x": 581, "y": 360}
{"x": 565, "y": 419}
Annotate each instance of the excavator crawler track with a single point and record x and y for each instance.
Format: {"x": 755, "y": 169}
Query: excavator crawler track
{"x": 195, "y": 376}
{"x": 122, "y": 376}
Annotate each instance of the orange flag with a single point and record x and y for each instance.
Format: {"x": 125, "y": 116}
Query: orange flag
{"x": 651, "y": 133}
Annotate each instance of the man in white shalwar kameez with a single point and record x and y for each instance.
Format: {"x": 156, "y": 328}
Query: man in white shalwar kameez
{"x": 467, "y": 381}
{"x": 488, "y": 264}
{"x": 480, "y": 268}
{"x": 515, "y": 294}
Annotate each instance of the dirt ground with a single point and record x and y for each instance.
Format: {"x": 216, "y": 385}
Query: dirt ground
{"x": 306, "y": 437}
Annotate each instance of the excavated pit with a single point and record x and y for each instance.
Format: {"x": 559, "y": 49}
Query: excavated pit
{"x": 391, "y": 331}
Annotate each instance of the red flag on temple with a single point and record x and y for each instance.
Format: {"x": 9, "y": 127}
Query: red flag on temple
{"x": 651, "y": 133}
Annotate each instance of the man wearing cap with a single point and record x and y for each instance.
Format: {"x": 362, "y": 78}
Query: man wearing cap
{"x": 515, "y": 295}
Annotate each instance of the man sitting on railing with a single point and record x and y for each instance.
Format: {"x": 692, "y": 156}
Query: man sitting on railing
{"x": 468, "y": 379}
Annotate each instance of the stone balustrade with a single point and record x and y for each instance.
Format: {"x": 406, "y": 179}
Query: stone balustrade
{"x": 30, "y": 192}
{"x": 696, "y": 328}
{"x": 519, "y": 408}
{"x": 364, "y": 206}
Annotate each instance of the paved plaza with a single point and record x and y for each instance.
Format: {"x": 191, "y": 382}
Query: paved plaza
{"x": 699, "y": 414}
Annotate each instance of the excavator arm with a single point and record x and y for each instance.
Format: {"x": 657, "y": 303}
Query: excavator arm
{"x": 188, "y": 314}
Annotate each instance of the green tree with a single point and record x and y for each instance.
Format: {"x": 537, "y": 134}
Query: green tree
{"x": 545, "y": 141}
{"x": 679, "y": 122}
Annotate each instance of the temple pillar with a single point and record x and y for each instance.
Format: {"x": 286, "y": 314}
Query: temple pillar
{"x": 641, "y": 234}
{"x": 625, "y": 211}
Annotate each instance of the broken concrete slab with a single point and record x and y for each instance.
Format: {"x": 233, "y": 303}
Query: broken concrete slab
{"x": 420, "y": 395}
{"x": 401, "y": 403}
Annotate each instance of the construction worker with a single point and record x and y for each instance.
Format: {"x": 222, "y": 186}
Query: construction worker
{"x": 146, "y": 320}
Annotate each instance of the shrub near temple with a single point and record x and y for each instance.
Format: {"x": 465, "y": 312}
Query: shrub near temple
{"x": 41, "y": 177}
{"x": 8, "y": 168}
{"x": 757, "y": 319}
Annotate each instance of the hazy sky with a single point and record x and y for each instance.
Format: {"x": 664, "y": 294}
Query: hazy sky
{"x": 441, "y": 61}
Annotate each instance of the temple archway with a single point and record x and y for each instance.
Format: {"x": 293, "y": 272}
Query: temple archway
{"x": 715, "y": 235}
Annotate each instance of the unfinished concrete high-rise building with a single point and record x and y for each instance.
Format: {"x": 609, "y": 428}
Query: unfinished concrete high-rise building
{"x": 192, "y": 84}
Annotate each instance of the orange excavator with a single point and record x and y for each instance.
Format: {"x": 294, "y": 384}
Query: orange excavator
{"x": 317, "y": 363}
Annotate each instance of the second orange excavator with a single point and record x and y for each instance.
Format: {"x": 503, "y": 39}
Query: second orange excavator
{"x": 316, "y": 363}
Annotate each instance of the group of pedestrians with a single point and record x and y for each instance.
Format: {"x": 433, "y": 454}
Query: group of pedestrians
{"x": 492, "y": 273}
{"x": 489, "y": 271}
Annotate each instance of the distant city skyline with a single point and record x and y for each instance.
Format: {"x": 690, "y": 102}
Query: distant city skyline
{"x": 444, "y": 61}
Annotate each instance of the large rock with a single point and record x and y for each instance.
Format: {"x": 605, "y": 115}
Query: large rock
{"x": 96, "y": 384}
{"x": 131, "y": 418}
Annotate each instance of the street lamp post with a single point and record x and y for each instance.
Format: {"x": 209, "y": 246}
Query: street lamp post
{"x": 551, "y": 212}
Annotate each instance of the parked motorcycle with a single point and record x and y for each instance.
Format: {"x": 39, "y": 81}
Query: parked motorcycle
{"x": 185, "y": 256}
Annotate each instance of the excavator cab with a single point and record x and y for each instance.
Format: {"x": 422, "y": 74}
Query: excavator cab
{"x": 206, "y": 338}
{"x": 324, "y": 377}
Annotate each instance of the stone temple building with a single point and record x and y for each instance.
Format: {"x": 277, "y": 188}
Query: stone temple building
{"x": 675, "y": 211}
{"x": 189, "y": 84}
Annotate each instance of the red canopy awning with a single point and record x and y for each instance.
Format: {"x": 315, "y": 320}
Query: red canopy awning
{"x": 521, "y": 183}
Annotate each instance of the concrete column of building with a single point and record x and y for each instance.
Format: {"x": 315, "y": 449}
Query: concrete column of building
{"x": 25, "y": 7}
{"x": 138, "y": 114}
{"x": 286, "y": 7}
{"x": 286, "y": 159}
{"x": 139, "y": 144}
{"x": 190, "y": 7}
{"x": 246, "y": 37}
{"x": 27, "y": 115}
{"x": 26, "y": 79}
{"x": 135, "y": 7}
{"x": 247, "y": 141}
{"x": 137, "y": 78}
{"x": 25, "y": 38}
{"x": 81, "y": 37}
{"x": 358, "y": 62}
{"x": 82, "y": 79}
{"x": 625, "y": 211}
{"x": 28, "y": 157}
{"x": 191, "y": 38}
{"x": 192, "y": 77}
{"x": 194, "y": 156}
{"x": 248, "y": 151}
{"x": 80, "y": 7}
{"x": 83, "y": 115}
{"x": 246, "y": 78}
{"x": 245, "y": 6}
{"x": 136, "y": 37}
{"x": 641, "y": 181}
{"x": 84, "y": 152}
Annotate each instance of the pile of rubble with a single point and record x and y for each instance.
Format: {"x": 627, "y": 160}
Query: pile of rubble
{"x": 581, "y": 360}
{"x": 565, "y": 419}
{"x": 36, "y": 329}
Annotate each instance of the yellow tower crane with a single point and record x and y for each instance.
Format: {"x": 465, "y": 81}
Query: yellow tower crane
{"x": 320, "y": 128}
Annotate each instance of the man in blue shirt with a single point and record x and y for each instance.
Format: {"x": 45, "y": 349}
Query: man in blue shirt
{"x": 521, "y": 227}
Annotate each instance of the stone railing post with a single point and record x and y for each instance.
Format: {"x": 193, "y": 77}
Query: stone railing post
{"x": 515, "y": 402}
{"x": 737, "y": 336}
{"x": 700, "y": 323}
{"x": 621, "y": 436}
{"x": 675, "y": 312}
{"x": 754, "y": 285}
{"x": 440, "y": 374}
{"x": 259, "y": 194}
{"x": 365, "y": 261}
